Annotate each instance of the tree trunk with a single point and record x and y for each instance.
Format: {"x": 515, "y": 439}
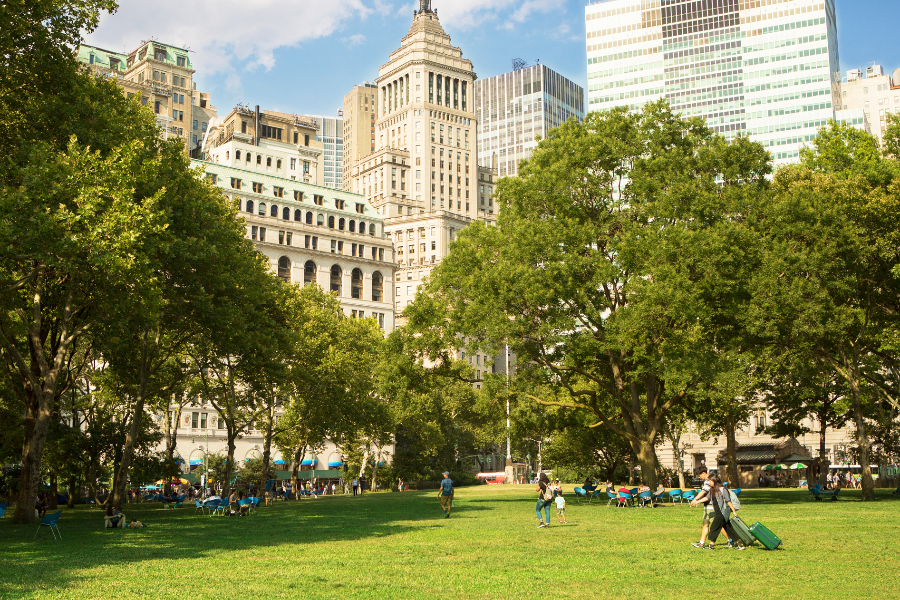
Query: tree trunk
{"x": 267, "y": 444}
{"x": 731, "y": 452}
{"x": 37, "y": 424}
{"x": 868, "y": 484}
{"x": 117, "y": 498}
{"x": 374, "y": 483}
{"x": 646, "y": 454}
{"x": 824, "y": 463}
{"x": 54, "y": 491}
{"x": 295, "y": 470}
{"x": 72, "y": 483}
{"x": 229, "y": 462}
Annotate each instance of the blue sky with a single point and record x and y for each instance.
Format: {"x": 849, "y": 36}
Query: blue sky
{"x": 302, "y": 56}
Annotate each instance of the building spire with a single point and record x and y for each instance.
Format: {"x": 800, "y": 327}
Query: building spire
{"x": 424, "y": 6}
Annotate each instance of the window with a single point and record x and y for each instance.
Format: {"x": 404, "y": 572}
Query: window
{"x": 296, "y": 139}
{"x": 181, "y": 61}
{"x": 272, "y": 133}
{"x": 377, "y": 286}
{"x": 243, "y": 126}
{"x": 361, "y": 208}
{"x": 213, "y": 178}
{"x": 286, "y": 214}
{"x": 284, "y": 268}
{"x": 337, "y": 280}
{"x": 306, "y": 165}
{"x": 259, "y": 159}
{"x": 352, "y": 226}
{"x": 339, "y": 204}
{"x": 298, "y": 215}
{"x": 341, "y": 223}
{"x": 250, "y": 206}
{"x": 293, "y": 164}
{"x": 262, "y": 209}
{"x": 306, "y": 143}
{"x": 319, "y": 200}
{"x": 278, "y": 164}
{"x": 309, "y": 272}
{"x": 356, "y": 284}
{"x": 236, "y": 185}
{"x": 320, "y": 220}
{"x": 372, "y": 229}
{"x": 257, "y": 188}
{"x": 298, "y": 196}
{"x": 331, "y": 222}
{"x": 278, "y": 191}
{"x": 274, "y": 211}
{"x": 309, "y": 218}
{"x": 195, "y": 417}
{"x": 268, "y": 161}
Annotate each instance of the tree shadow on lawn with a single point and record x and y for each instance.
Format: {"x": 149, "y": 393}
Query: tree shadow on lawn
{"x": 182, "y": 533}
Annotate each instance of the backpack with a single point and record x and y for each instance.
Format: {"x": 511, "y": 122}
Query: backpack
{"x": 734, "y": 500}
{"x": 547, "y": 494}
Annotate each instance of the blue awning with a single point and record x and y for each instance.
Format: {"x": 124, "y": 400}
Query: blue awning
{"x": 196, "y": 462}
{"x": 309, "y": 463}
{"x": 335, "y": 464}
{"x": 280, "y": 462}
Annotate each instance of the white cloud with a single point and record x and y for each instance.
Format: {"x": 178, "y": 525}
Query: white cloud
{"x": 226, "y": 35}
{"x": 354, "y": 40}
{"x": 466, "y": 14}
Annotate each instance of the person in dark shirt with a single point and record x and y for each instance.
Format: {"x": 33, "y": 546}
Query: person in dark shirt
{"x": 545, "y": 499}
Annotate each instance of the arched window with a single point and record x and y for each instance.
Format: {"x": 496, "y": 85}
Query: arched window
{"x": 377, "y": 287}
{"x": 341, "y": 224}
{"x": 356, "y": 284}
{"x": 372, "y": 229}
{"x": 320, "y": 220}
{"x": 352, "y": 227}
{"x": 309, "y": 272}
{"x": 284, "y": 268}
{"x": 362, "y": 228}
{"x": 309, "y": 218}
{"x": 337, "y": 280}
{"x": 331, "y": 222}
{"x": 250, "y": 206}
{"x": 274, "y": 212}
{"x": 286, "y": 214}
{"x": 237, "y": 155}
{"x": 298, "y": 215}
{"x": 262, "y": 209}
{"x": 278, "y": 164}
{"x": 249, "y": 156}
{"x": 268, "y": 161}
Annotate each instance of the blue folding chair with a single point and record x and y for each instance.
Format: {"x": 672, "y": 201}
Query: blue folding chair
{"x": 675, "y": 495}
{"x": 625, "y": 500}
{"x": 579, "y": 494}
{"x": 646, "y": 499}
{"x": 51, "y": 522}
{"x": 200, "y": 507}
{"x": 689, "y": 495}
{"x": 2, "y": 511}
{"x": 612, "y": 498}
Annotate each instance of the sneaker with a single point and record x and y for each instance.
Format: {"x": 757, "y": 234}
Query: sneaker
{"x": 541, "y": 526}
{"x": 709, "y": 547}
{"x": 448, "y": 516}
{"x": 697, "y": 544}
{"x": 739, "y": 547}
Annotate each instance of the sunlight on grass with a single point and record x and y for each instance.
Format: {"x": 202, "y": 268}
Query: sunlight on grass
{"x": 393, "y": 545}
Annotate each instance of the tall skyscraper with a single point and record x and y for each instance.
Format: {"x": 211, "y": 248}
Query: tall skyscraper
{"x": 331, "y": 134}
{"x": 514, "y": 108}
{"x": 359, "y": 127}
{"x": 423, "y": 176}
{"x": 767, "y": 68}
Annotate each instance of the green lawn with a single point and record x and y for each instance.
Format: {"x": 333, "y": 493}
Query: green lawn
{"x": 399, "y": 546}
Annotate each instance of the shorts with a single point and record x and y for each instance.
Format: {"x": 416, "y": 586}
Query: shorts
{"x": 560, "y": 512}
{"x": 708, "y": 515}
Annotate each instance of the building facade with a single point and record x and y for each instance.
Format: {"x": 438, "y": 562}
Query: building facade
{"x": 331, "y": 137}
{"x": 359, "y": 116}
{"x": 423, "y": 177}
{"x": 765, "y": 68}
{"x": 515, "y": 108}
{"x": 874, "y": 94}
{"x": 162, "y": 76}
{"x": 277, "y": 144}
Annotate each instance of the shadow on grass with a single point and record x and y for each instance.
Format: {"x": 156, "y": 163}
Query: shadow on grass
{"x": 172, "y": 534}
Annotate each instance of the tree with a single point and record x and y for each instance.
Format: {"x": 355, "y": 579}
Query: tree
{"x": 615, "y": 260}
{"x": 826, "y": 286}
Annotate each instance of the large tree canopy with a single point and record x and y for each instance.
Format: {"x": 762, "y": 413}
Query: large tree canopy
{"x": 616, "y": 265}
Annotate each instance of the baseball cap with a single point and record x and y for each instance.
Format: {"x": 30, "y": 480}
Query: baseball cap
{"x": 446, "y": 472}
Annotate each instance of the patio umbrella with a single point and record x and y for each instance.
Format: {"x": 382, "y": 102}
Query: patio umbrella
{"x": 175, "y": 481}
{"x": 776, "y": 467}
{"x": 798, "y": 466}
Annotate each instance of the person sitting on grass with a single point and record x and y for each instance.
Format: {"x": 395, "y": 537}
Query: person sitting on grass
{"x": 135, "y": 524}
{"x": 113, "y": 519}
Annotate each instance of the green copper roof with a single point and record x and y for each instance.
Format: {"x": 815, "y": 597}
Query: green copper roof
{"x": 101, "y": 56}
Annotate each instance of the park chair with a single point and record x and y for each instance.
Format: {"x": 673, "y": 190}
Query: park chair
{"x": 895, "y": 492}
{"x": 634, "y": 492}
{"x": 2, "y": 512}
{"x": 214, "y": 506}
{"x": 200, "y": 506}
{"x": 689, "y": 495}
{"x": 579, "y": 494}
{"x": 51, "y": 522}
{"x": 3, "y": 505}
{"x": 646, "y": 499}
{"x": 612, "y": 497}
{"x": 675, "y": 495}
{"x": 625, "y": 500}
{"x": 244, "y": 507}
{"x": 738, "y": 491}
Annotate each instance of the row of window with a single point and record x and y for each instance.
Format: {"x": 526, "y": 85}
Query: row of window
{"x": 336, "y": 279}
{"x": 339, "y": 223}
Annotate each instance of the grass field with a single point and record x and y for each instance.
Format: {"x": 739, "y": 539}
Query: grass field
{"x": 398, "y": 546}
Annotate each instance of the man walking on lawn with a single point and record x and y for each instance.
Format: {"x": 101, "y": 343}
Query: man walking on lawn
{"x": 446, "y": 494}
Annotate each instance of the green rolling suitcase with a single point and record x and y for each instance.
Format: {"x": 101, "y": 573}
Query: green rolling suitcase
{"x": 742, "y": 531}
{"x": 765, "y": 537}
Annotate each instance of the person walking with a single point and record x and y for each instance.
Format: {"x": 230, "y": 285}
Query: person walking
{"x": 703, "y": 498}
{"x": 445, "y": 494}
{"x": 362, "y": 485}
{"x": 355, "y": 486}
{"x": 545, "y": 499}
{"x": 720, "y": 500}
{"x": 560, "y": 508}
